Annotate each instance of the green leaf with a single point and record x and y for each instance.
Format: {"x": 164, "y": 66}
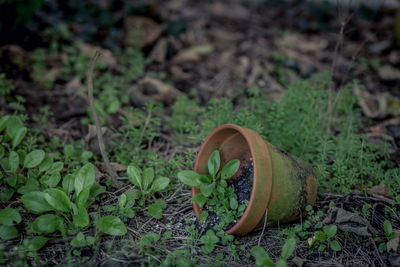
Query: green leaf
{"x": 189, "y": 178}
{"x": 56, "y": 167}
{"x": 2, "y": 151}
{"x": 335, "y": 246}
{"x": 45, "y": 164}
{"x": 111, "y": 225}
{"x": 262, "y": 258}
{"x": 68, "y": 183}
{"x": 96, "y": 190}
{"x": 68, "y": 150}
{"x": 330, "y": 231}
{"x": 209, "y": 240}
{"x": 19, "y": 135}
{"x": 205, "y": 179}
{"x": 207, "y": 189}
{"x": 46, "y": 224}
{"x": 79, "y": 241}
{"x": 230, "y": 169}
{"x": 214, "y": 163}
{"x": 199, "y": 199}
{"x": 387, "y": 227}
{"x": 34, "y": 158}
{"x": 8, "y": 216}
{"x": 148, "y": 176}
{"x": 122, "y": 201}
{"x": 8, "y": 232}
{"x": 203, "y": 216}
{"x": 160, "y": 184}
{"x": 51, "y": 180}
{"x": 320, "y": 236}
{"x": 58, "y": 200}
{"x": 13, "y": 161}
{"x": 84, "y": 178}
{"x": 34, "y": 244}
{"x": 3, "y": 122}
{"x": 155, "y": 210}
{"x": 288, "y": 248}
{"x": 81, "y": 219}
{"x": 36, "y": 202}
{"x": 233, "y": 203}
{"x": 83, "y": 197}
{"x": 281, "y": 263}
{"x": 134, "y": 176}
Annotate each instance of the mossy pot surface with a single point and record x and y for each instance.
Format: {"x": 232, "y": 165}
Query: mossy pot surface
{"x": 283, "y": 185}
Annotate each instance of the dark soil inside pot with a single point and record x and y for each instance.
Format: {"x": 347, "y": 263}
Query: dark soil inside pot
{"x": 242, "y": 186}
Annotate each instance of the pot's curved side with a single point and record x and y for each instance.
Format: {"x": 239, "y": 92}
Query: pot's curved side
{"x": 241, "y": 143}
{"x": 294, "y": 187}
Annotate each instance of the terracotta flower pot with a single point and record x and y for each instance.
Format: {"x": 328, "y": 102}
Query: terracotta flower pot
{"x": 282, "y": 184}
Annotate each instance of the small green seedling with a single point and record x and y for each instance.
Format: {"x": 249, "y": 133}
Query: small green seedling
{"x": 81, "y": 241}
{"x": 147, "y": 186}
{"x": 214, "y": 190}
{"x": 325, "y": 238}
{"x": 209, "y": 240}
{"x": 263, "y": 259}
{"x": 389, "y": 235}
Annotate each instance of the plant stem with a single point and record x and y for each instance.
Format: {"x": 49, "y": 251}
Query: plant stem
{"x": 102, "y": 147}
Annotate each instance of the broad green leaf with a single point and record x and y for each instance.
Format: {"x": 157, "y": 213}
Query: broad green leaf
{"x": 147, "y": 176}
{"x": 68, "y": 150}
{"x": 155, "y": 210}
{"x": 3, "y": 122}
{"x": 230, "y": 169}
{"x": 68, "y": 183}
{"x": 46, "y": 224}
{"x": 12, "y": 180}
{"x": 288, "y": 248}
{"x": 51, "y": 180}
{"x": 34, "y": 158}
{"x": 199, "y": 199}
{"x": 6, "y": 194}
{"x": 335, "y": 246}
{"x": 13, "y": 161}
{"x": 13, "y": 125}
{"x": 111, "y": 225}
{"x": 9, "y": 216}
{"x": 233, "y": 203}
{"x": 25, "y": 189}
{"x": 207, "y": 189}
{"x": 83, "y": 197}
{"x": 205, "y": 179}
{"x": 81, "y": 219}
{"x": 56, "y": 167}
{"x": 96, "y": 190}
{"x": 330, "y": 231}
{"x": 159, "y": 184}
{"x": 58, "y": 200}
{"x": 34, "y": 244}
{"x": 8, "y": 232}
{"x": 46, "y": 164}
{"x": 387, "y": 227}
{"x": 84, "y": 178}
{"x": 134, "y": 176}
{"x": 262, "y": 258}
{"x": 320, "y": 236}
{"x": 36, "y": 202}
{"x": 189, "y": 178}
{"x": 19, "y": 135}
{"x": 214, "y": 163}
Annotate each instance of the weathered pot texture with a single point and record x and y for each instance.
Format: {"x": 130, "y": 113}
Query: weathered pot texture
{"x": 283, "y": 185}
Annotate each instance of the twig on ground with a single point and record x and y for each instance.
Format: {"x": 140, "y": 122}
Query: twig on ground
{"x": 102, "y": 147}
{"x": 263, "y": 230}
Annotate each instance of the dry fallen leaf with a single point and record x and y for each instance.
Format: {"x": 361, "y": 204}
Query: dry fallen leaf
{"x": 158, "y": 90}
{"x": 140, "y": 31}
{"x": 380, "y": 190}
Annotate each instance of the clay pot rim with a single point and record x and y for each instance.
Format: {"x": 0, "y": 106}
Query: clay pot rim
{"x": 257, "y": 181}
